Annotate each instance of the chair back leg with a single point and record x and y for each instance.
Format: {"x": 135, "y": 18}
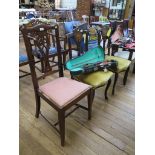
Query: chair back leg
{"x": 90, "y": 101}
{"x": 38, "y": 103}
{"x": 126, "y": 76}
{"x": 115, "y": 81}
{"x": 61, "y": 117}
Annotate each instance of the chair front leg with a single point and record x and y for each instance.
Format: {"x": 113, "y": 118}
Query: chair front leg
{"x": 90, "y": 101}
{"x": 115, "y": 81}
{"x": 93, "y": 94}
{"x": 107, "y": 87}
{"x": 61, "y": 118}
{"x": 126, "y": 76}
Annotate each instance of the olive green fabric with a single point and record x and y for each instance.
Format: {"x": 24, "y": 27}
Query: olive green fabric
{"x": 123, "y": 64}
{"x": 95, "y": 79}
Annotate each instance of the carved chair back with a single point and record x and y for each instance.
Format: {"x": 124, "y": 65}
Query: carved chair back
{"x": 38, "y": 37}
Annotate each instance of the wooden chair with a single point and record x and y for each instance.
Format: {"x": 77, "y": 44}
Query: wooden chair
{"x": 61, "y": 93}
{"x": 126, "y": 53}
{"x": 123, "y": 64}
{"x": 96, "y": 79}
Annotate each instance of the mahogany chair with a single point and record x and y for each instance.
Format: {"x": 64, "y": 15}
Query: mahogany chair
{"x": 123, "y": 64}
{"x": 95, "y": 79}
{"x": 61, "y": 93}
{"x": 127, "y": 53}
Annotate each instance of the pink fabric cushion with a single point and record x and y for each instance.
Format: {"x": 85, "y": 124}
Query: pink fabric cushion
{"x": 63, "y": 91}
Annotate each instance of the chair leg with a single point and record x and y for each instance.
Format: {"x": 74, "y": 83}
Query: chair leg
{"x": 115, "y": 81}
{"x": 89, "y": 97}
{"x": 64, "y": 59}
{"x": 133, "y": 69}
{"x": 93, "y": 94}
{"x": 70, "y": 55}
{"x": 42, "y": 66}
{"x": 38, "y": 103}
{"x": 126, "y": 76}
{"x": 107, "y": 87}
{"x": 61, "y": 117}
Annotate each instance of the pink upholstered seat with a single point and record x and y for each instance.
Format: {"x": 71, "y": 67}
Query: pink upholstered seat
{"x": 63, "y": 90}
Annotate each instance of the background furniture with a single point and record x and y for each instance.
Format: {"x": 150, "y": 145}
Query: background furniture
{"x": 116, "y": 9}
{"x": 123, "y": 64}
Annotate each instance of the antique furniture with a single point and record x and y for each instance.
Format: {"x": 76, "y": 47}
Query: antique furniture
{"x": 123, "y": 64}
{"x": 116, "y": 9}
{"x": 96, "y": 79}
{"x": 61, "y": 93}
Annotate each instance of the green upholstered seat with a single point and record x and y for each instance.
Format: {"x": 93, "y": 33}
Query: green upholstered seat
{"x": 123, "y": 64}
{"x": 95, "y": 79}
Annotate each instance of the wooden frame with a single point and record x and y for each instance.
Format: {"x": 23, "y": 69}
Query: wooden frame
{"x": 40, "y": 36}
{"x": 114, "y": 48}
{"x": 78, "y": 37}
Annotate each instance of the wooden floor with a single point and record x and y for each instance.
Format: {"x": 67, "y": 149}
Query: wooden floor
{"x": 111, "y": 131}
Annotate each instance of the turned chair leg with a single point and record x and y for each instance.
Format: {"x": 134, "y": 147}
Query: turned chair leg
{"x": 61, "y": 117}
{"x": 38, "y": 103}
{"x": 106, "y": 90}
{"x": 115, "y": 81}
{"x": 90, "y": 101}
{"x": 126, "y": 76}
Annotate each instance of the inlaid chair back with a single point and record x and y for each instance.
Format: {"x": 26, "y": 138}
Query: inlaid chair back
{"x": 77, "y": 42}
{"x": 37, "y": 38}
